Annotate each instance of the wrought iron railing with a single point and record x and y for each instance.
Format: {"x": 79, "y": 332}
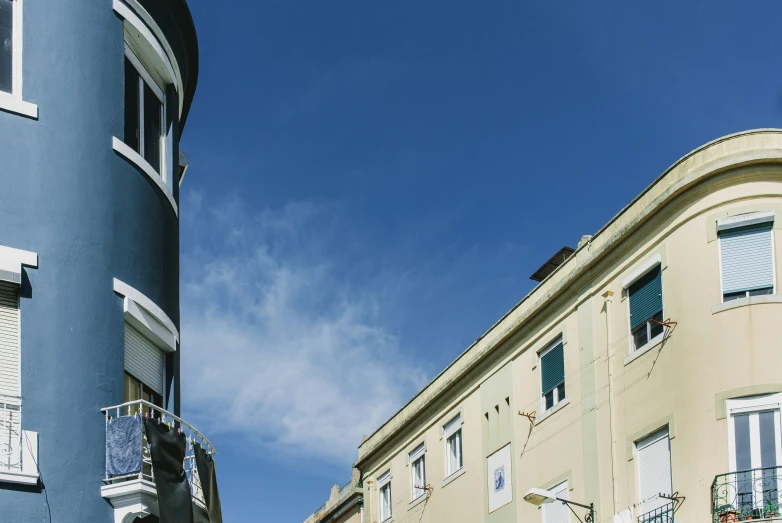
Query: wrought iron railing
{"x": 747, "y": 494}
{"x": 662, "y": 514}
{"x": 10, "y": 433}
{"x": 146, "y": 408}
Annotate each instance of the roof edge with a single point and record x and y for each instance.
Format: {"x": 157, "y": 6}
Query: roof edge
{"x": 698, "y": 173}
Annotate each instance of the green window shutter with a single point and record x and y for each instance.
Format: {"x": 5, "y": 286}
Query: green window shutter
{"x": 646, "y": 297}
{"x": 552, "y": 368}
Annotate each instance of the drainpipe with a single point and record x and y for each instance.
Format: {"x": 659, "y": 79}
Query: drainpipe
{"x": 367, "y": 499}
{"x": 608, "y": 297}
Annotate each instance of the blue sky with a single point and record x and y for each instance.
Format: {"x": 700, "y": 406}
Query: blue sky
{"x": 371, "y": 185}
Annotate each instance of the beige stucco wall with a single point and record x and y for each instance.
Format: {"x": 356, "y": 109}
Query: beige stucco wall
{"x": 711, "y": 353}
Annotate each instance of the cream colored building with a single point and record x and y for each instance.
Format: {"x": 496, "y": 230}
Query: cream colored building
{"x": 571, "y": 393}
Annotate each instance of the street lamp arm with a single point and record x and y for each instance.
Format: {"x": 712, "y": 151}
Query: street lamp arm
{"x": 589, "y": 518}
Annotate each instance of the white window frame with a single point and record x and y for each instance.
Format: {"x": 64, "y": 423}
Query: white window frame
{"x": 165, "y": 72}
{"x": 752, "y": 405}
{"x": 450, "y": 430}
{"x": 383, "y": 482}
{"x": 146, "y": 79}
{"x": 642, "y": 443}
{"x": 418, "y": 454}
{"x": 11, "y": 262}
{"x": 542, "y": 353}
{"x": 745, "y": 220}
{"x": 627, "y": 282}
{"x": 13, "y": 102}
{"x": 559, "y": 486}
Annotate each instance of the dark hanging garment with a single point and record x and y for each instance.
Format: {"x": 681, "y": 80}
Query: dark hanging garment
{"x": 208, "y": 476}
{"x": 123, "y": 446}
{"x": 167, "y": 449}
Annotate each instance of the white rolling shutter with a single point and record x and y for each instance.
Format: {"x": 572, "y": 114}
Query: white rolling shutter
{"x": 654, "y": 470}
{"x": 556, "y": 511}
{"x": 746, "y": 258}
{"x": 9, "y": 341}
{"x": 144, "y": 359}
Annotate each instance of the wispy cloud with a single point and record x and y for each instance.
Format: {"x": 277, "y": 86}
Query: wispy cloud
{"x": 277, "y": 344}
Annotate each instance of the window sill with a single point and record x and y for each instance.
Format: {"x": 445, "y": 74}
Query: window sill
{"x": 389, "y": 519}
{"x": 139, "y": 162}
{"x": 20, "y": 478}
{"x": 654, "y": 342}
{"x": 743, "y": 302}
{"x": 453, "y": 476}
{"x": 553, "y": 410}
{"x": 14, "y": 105}
{"x": 417, "y": 501}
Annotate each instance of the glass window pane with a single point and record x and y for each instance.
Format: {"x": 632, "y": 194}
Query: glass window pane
{"x": 6, "y": 45}
{"x": 655, "y": 328}
{"x": 560, "y": 392}
{"x": 152, "y": 128}
{"x": 640, "y": 336}
{"x": 131, "y": 107}
{"x": 549, "y": 400}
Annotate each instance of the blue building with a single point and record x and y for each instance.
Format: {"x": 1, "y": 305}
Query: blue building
{"x": 94, "y": 96}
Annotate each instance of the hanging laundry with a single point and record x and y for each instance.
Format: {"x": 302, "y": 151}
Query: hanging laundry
{"x": 123, "y": 446}
{"x": 167, "y": 449}
{"x": 208, "y": 476}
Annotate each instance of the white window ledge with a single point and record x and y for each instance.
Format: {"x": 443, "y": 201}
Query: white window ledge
{"x": 14, "y": 105}
{"x": 553, "y": 410}
{"x": 651, "y": 344}
{"x": 28, "y": 474}
{"x": 417, "y": 501}
{"x": 137, "y": 160}
{"x": 453, "y": 476}
{"x": 146, "y": 315}
{"x": 743, "y": 302}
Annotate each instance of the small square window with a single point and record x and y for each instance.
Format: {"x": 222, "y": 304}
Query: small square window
{"x": 144, "y": 113}
{"x": 453, "y": 446}
{"x": 418, "y": 472}
{"x": 7, "y": 46}
{"x": 384, "y": 496}
{"x": 552, "y": 375}
{"x": 746, "y": 257}
{"x": 646, "y": 307}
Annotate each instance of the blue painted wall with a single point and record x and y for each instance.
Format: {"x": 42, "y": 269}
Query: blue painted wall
{"x": 91, "y": 217}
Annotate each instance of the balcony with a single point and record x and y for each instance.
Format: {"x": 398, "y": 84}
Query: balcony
{"x": 747, "y": 495}
{"x": 135, "y": 495}
{"x": 662, "y": 514}
{"x": 18, "y": 448}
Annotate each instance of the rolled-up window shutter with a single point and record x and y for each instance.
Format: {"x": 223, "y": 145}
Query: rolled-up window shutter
{"x": 646, "y": 297}
{"x": 557, "y": 512}
{"x": 746, "y": 258}
{"x": 143, "y": 359}
{"x": 9, "y": 341}
{"x": 552, "y": 368}
{"x": 654, "y": 470}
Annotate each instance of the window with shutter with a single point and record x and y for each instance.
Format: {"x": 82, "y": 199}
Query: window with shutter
{"x": 144, "y": 360}
{"x": 557, "y": 512}
{"x": 746, "y": 260}
{"x": 646, "y": 307}
{"x": 552, "y": 375}
{"x": 654, "y": 470}
{"x": 10, "y": 385}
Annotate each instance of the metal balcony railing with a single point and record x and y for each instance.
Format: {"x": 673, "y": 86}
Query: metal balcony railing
{"x": 662, "y": 514}
{"x": 747, "y": 494}
{"x": 147, "y": 472}
{"x": 10, "y": 433}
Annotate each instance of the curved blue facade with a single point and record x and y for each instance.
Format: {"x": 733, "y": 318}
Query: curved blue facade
{"x": 91, "y": 216}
